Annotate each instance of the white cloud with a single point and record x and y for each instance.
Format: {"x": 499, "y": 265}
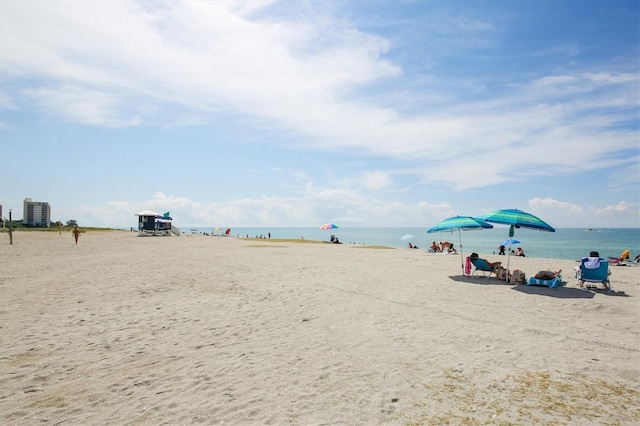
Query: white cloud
{"x": 89, "y": 107}
{"x": 608, "y": 78}
{"x": 105, "y": 63}
{"x": 344, "y": 206}
{"x": 376, "y": 180}
{"x": 347, "y": 207}
{"x": 565, "y": 214}
{"x": 551, "y": 206}
{"x": 299, "y": 73}
{"x": 620, "y": 210}
{"x": 6, "y": 102}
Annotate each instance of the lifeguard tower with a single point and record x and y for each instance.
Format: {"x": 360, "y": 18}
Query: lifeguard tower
{"x": 152, "y": 224}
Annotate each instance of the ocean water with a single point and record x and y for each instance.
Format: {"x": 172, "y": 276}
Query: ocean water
{"x": 566, "y": 243}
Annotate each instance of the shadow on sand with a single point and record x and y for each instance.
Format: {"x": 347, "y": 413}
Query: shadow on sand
{"x": 478, "y": 280}
{"x": 567, "y": 292}
{"x": 560, "y": 292}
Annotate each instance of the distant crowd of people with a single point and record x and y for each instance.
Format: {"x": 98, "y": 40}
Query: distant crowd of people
{"x": 518, "y": 252}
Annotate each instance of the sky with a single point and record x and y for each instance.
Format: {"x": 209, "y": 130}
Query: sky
{"x": 295, "y": 113}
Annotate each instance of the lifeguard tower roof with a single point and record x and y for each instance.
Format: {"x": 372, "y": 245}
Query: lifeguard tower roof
{"x": 147, "y": 213}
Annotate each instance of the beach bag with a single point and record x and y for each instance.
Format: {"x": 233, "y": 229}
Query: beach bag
{"x": 502, "y": 274}
{"x": 519, "y": 277}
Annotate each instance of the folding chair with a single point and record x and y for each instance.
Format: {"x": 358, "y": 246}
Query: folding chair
{"x": 595, "y": 275}
{"x": 483, "y": 266}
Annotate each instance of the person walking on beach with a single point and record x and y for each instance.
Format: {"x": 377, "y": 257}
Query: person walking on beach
{"x": 76, "y": 234}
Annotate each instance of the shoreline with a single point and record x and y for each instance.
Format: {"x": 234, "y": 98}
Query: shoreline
{"x": 121, "y": 329}
{"x": 605, "y": 253}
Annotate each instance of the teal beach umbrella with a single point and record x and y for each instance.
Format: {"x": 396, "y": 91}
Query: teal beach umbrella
{"x": 464, "y": 223}
{"x": 516, "y": 219}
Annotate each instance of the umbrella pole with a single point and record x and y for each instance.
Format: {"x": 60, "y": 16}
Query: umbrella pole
{"x": 508, "y": 259}
{"x": 461, "y": 257}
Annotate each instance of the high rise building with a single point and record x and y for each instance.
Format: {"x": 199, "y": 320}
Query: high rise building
{"x": 36, "y": 213}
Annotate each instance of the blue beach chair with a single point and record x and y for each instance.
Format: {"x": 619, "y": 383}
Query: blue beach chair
{"x": 483, "y": 266}
{"x": 596, "y": 275}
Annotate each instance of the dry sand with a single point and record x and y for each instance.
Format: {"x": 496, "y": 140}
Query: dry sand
{"x": 123, "y": 330}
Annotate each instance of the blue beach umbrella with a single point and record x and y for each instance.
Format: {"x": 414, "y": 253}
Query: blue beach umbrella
{"x": 464, "y": 223}
{"x": 516, "y": 219}
{"x": 509, "y": 242}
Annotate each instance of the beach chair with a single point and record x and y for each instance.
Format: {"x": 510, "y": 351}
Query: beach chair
{"x": 596, "y": 275}
{"x": 623, "y": 260}
{"x": 630, "y": 262}
{"x": 483, "y": 266}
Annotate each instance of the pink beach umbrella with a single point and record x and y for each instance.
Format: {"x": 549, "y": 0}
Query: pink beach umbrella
{"x": 329, "y": 226}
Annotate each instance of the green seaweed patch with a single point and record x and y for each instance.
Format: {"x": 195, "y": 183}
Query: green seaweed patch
{"x": 281, "y": 240}
{"x": 526, "y": 397}
{"x": 65, "y": 229}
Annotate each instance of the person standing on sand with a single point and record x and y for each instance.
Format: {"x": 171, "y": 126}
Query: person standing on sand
{"x": 76, "y": 234}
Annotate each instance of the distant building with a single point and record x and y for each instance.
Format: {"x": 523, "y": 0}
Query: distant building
{"x": 36, "y": 213}
{"x": 1, "y": 212}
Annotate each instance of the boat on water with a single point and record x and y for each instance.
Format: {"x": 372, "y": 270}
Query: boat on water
{"x": 590, "y": 230}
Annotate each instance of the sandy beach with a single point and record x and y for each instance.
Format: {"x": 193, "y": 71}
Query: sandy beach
{"x": 123, "y": 330}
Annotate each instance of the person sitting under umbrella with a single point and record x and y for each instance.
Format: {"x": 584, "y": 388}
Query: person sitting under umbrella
{"x": 520, "y": 252}
{"x": 491, "y": 264}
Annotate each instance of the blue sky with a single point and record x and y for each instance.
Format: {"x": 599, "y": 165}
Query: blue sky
{"x": 297, "y": 113}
